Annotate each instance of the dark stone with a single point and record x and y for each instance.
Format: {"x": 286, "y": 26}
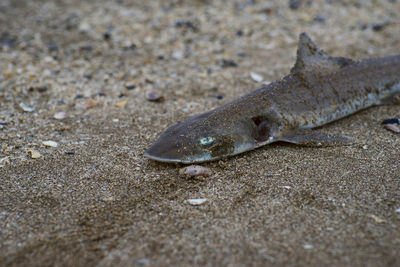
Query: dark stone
{"x": 392, "y": 121}
{"x": 319, "y": 19}
{"x": 42, "y": 89}
{"x": 52, "y": 47}
{"x": 228, "y": 63}
{"x": 86, "y": 48}
{"x": 130, "y": 86}
{"x": 377, "y": 27}
{"x": 99, "y": 94}
{"x": 294, "y": 4}
{"x": 107, "y": 36}
{"x": 185, "y": 24}
{"x": 7, "y": 40}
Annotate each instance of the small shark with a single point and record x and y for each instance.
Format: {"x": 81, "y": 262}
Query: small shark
{"x": 318, "y": 90}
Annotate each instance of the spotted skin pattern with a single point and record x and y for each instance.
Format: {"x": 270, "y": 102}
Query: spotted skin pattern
{"x": 319, "y": 89}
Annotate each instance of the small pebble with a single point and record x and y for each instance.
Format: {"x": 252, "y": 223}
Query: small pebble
{"x": 196, "y": 201}
{"x": 84, "y": 27}
{"x": 185, "y": 24}
{"x": 256, "y": 77}
{"x": 308, "y": 246}
{"x": 377, "y": 27}
{"x": 392, "y": 127}
{"x": 65, "y": 128}
{"x": 121, "y": 104}
{"x": 60, "y": 115}
{"x": 195, "y": 170}
{"x": 48, "y": 59}
{"x": 319, "y": 19}
{"x": 177, "y": 54}
{"x": 99, "y": 94}
{"x": 4, "y": 161}
{"x": 70, "y": 153}
{"x": 130, "y": 85}
{"x": 227, "y": 63}
{"x": 397, "y": 210}
{"x": 129, "y": 45}
{"x": 52, "y": 47}
{"x": 50, "y": 143}
{"x": 365, "y": 147}
{"x": 46, "y": 73}
{"x": 108, "y": 199}
{"x": 8, "y": 74}
{"x": 91, "y": 103}
{"x": 294, "y": 4}
{"x": 377, "y": 219}
{"x": 153, "y": 96}
{"x": 42, "y": 89}
{"x": 27, "y": 108}
{"x": 34, "y": 154}
{"x": 239, "y": 33}
{"x": 143, "y": 262}
{"x": 107, "y": 36}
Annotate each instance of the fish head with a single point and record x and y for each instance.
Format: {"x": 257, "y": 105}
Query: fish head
{"x": 205, "y": 137}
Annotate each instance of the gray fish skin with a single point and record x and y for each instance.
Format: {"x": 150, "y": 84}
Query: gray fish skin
{"x": 318, "y": 90}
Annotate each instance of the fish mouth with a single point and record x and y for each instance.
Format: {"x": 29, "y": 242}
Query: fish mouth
{"x": 148, "y": 155}
{"x": 156, "y": 154}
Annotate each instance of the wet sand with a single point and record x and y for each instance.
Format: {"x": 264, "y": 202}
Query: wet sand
{"x": 78, "y": 73}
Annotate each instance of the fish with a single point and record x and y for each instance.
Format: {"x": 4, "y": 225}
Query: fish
{"x": 318, "y": 90}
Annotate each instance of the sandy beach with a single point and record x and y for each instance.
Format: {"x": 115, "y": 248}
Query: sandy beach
{"x": 87, "y": 86}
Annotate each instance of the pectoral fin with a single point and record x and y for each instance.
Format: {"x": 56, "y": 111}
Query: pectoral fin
{"x": 314, "y": 138}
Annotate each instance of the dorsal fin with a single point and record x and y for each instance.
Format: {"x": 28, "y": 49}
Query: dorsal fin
{"x": 312, "y": 58}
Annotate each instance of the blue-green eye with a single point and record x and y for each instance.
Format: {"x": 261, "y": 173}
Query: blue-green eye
{"x": 207, "y": 140}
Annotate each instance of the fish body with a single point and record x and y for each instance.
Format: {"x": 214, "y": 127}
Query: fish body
{"x": 319, "y": 89}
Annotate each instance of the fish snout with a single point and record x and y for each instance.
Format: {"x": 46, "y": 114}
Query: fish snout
{"x": 165, "y": 151}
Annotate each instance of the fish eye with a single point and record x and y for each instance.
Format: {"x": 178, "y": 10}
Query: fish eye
{"x": 207, "y": 140}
